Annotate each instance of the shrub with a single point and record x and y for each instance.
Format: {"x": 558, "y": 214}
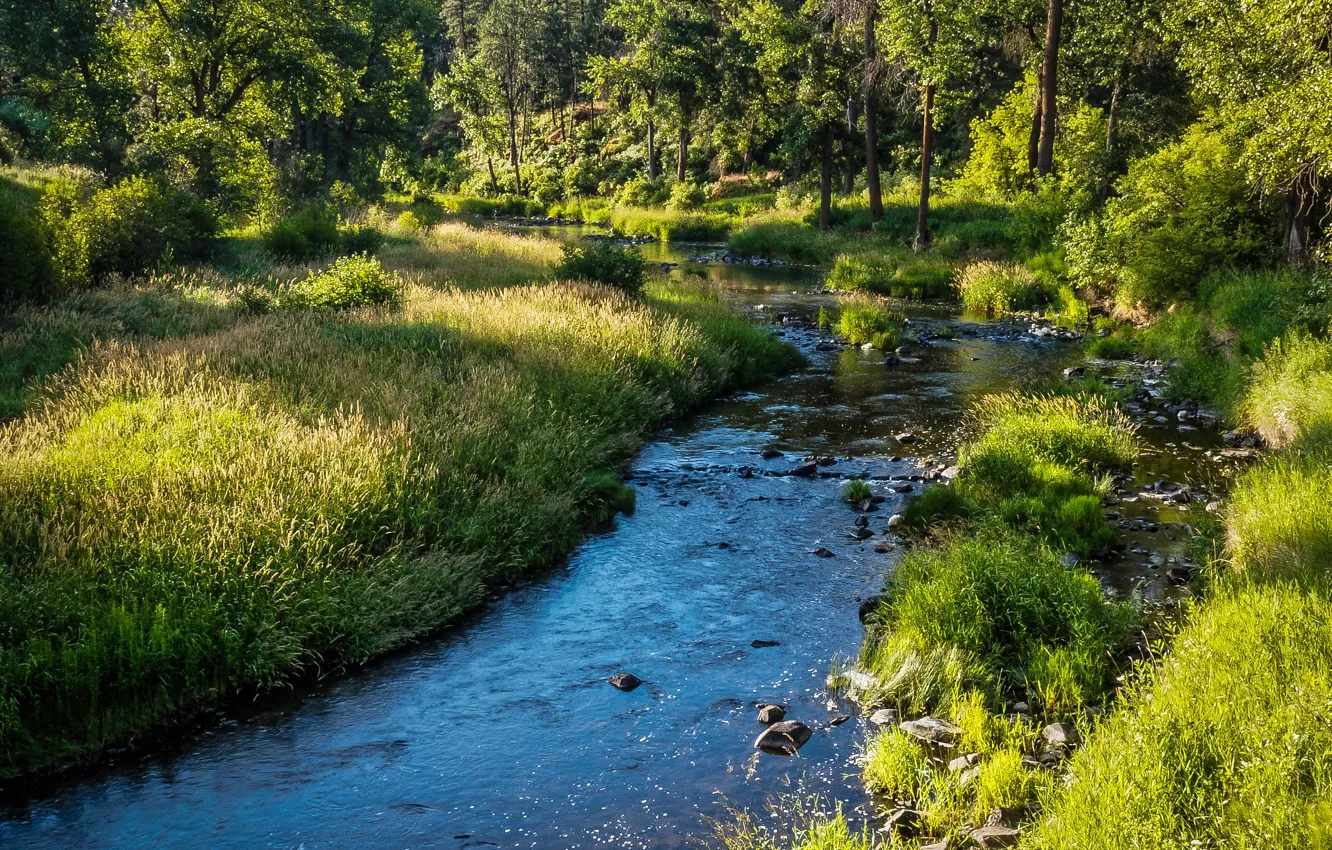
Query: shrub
{"x": 989, "y": 288}
{"x": 602, "y": 261}
{"x": 354, "y": 281}
{"x": 1179, "y": 213}
{"x": 311, "y": 231}
{"x": 898, "y": 273}
{"x": 686, "y": 195}
{"x": 1220, "y": 745}
{"x": 25, "y": 244}
{"x": 135, "y": 226}
{"x": 941, "y": 503}
{"x": 361, "y": 239}
{"x": 863, "y": 319}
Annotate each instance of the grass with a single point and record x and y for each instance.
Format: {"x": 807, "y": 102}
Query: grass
{"x": 864, "y": 319}
{"x": 249, "y": 497}
{"x": 671, "y": 225}
{"x": 896, "y": 272}
{"x": 1289, "y": 395}
{"x": 1225, "y": 744}
{"x": 990, "y": 289}
{"x": 1279, "y": 518}
{"x": 856, "y": 490}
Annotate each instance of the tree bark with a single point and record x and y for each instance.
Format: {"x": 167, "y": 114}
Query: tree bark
{"x": 494, "y": 183}
{"x": 513, "y": 151}
{"x": 1111, "y": 135}
{"x": 1034, "y": 142}
{"x": 825, "y": 180}
{"x": 652, "y": 150}
{"x": 682, "y": 155}
{"x": 872, "y": 117}
{"x": 1049, "y": 86}
{"x": 926, "y": 161}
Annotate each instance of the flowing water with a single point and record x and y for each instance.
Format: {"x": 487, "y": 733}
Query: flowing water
{"x": 503, "y": 731}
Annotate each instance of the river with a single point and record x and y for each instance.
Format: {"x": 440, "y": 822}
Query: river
{"x": 503, "y": 731}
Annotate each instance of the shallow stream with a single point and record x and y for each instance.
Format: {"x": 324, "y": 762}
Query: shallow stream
{"x": 503, "y": 731}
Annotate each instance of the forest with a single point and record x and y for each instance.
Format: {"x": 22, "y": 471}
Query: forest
{"x": 293, "y": 373}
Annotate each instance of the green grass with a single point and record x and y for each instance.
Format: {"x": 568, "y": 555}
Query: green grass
{"x": 1289, "y": 395}
{"x": 856, "y": 491}
{"x": 992, "y": 289}
{"x": 895, "y": 272}
{"x": 671, "y": 225}
{"x": 213, "y": 513}
{"x": 1225, "y": 744}
{"x": 1006, "y": 605}
{"x": 863, "y": 319}
{"x": 1279, "y": 517}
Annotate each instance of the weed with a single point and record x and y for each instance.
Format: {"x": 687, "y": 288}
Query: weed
{"x": 863, "y": 319}
{"x": 856, "y": 491}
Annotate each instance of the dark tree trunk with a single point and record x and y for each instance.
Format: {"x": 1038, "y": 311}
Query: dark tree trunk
{"x": 825, "y": 179}
{"x": 926, "y": 161}
{"x": 682, "y": 155}
{"x": 513, "y": 152}
{"x": 652, "y": 150}
{"x": 1111, "y": 135}
{"x": 1300, "y": 203}
{"x": 852, "y": 166}
{"x": 872, "y": 118}
{"x": 494, "y": 183}
{"x": 1034, "y": 142}
{"x": 1049, "y": 86}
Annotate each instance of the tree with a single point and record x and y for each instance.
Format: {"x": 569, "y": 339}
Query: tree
{"x": 472, "y": 90}
{"x": 508, "y": 36}
{"x": 1050, "y": 87}
{"x": 1267, "y": 67}
{"x": 929, "y": 41}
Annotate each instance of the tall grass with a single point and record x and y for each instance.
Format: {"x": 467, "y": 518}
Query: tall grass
{"x": 1289, "y": 394}
{"x": 862, "y": 319}
{"x": 671, "y": 225}
{"x": 991, "y": 289}
{"x": 897, "y": 272}
{"x": 192, "y": 517}
{"x": 1226, "y": 744}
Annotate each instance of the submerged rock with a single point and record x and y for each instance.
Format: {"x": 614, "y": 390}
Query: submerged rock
{"x": 760, "y": 644}
{"x": 806, "y": 470}
{"x": 770, "y": 454}
{"x": 866, "y": 506}
{"x": 625, "y": 681}
{"x": 906, "y": 438}
{"x": 783, "y": 738}
{"x": 824, "y": 553}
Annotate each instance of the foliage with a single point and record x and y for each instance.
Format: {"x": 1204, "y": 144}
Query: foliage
{"x": 602, "y": 261}
{"x": 354, "y": 281}
{"x": 1289, "y": 395}
{"x": 670, "y": 225}
{"x": 899, "y": 273}
{"x": 311, "y": 231}
{"x": 1179, "y": 213}
{"x": 856, "y": 490}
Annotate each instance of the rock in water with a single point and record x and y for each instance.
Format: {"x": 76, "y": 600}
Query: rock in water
{"x": 932, "y": 730}
{"x": 806, "y": 470}
{"x": 866, "y": 506}
{"x": 784, "y": 738}
{"x": 884, "y": 717}
{"x": 760, "y": 644}
{"x": 896, "y": 520}
{"x": 625, "y": 681}
{"x": 906, "y": 438}
{"x": 904, "y": 822}
{"x": 870, "y": 605}
{"x": 824, "y": 553}
{"x": 770, "y": 454}
{"x": 770, "y": 714}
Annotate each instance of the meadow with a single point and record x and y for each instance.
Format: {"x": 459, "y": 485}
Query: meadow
{"x": 215, "y": 485}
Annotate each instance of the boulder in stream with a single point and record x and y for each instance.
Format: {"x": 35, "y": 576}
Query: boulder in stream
{"x": 770, "y": 714}
{"x": 625, "y": 681}
{"x": 784, "y": 738}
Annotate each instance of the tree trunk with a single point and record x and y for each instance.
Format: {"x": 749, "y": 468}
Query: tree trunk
{"x": 1049, "y": 86}
{"x": 513, "y": 151}
{"x": 1111, "y": 135}
{"x": 682, "y": 155}
{"x": 926, "y": 161}
{"x": 872, "y": 118}
{"x": 1034, "y": 142}
{"x": 652, "y": 150}
{"x": 852, "y": 166}
{"x": 825, "y": 180}
{"x": 1300, "y": 206}
{"x": 494, "y": 183}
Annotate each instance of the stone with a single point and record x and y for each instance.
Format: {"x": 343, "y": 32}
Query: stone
{"x": 770, "y": 454}
{"x": 1074, "y": 372}
{"x": 1214, "y": 507}
{"x": 838, "y": 719}
{"x": 963, "y": 762}
{"x": 883, "y": 547}
{"x": 862, "y": 521}
{"x": 866, "y": 506}
{"x": 1009, "y": 816}
{"x": 940, "y": 845}
{"x": 806, "y": 470}
{"x": 770, "y": 714}
{"x": 896, "y": 520}
{"x": 1179, "y": 576}
{"x": 871, "y": 605}
{"x": 825, "y": 461}
{"x": 824, "y": 553}
{"x": 783, "y": 738}
{"x": 906, "y": 438}
{"x": 932, "y": 730}
{"x": 904, "y": 822}
{"x": 884, "y": 717}
{"x": 761, "y": 644}
{"x": 625, "y": 681}
{"x": 903, "y": 488}
{"x": 1060, "y": 734}
{"x": 990, "y": 837}
{"x": 869, "y": 346}
{"x": 951, "y": 472}
{"x": 862, "y": 533}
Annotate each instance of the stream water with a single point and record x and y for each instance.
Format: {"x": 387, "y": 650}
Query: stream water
{"x": 503, "y": 731}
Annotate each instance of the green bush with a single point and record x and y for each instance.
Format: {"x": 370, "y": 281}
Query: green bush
{"x": 137, "y": 225}
{"x": 990, "y": 288}
{"x": 686, "y": 195}
{"x": 897, "y": 273}
{"x": 311, "y": 231}
{"x": 784, "y": 239}
{"x": 25, "y": 245}
{"x": 1222, "y": 744}
{"x": 1181, "y": 212}
{"x": 354, "y": 281}
{"x": 602, "y": 261}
